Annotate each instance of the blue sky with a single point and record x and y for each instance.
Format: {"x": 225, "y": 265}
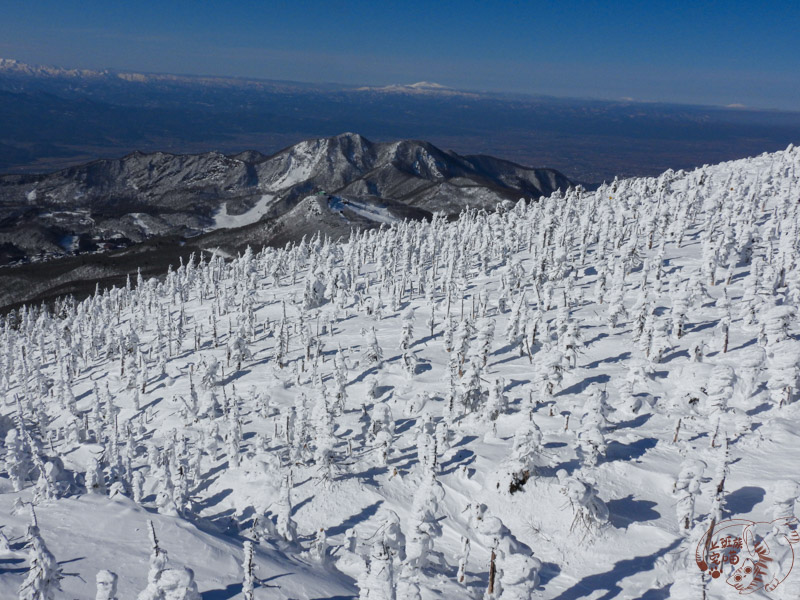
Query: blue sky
{"x": 697, "y": 52}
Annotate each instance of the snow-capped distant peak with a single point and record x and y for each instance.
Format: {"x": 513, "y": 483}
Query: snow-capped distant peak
{"x": 429, "y": 85}
{"x": 420, "y": 87}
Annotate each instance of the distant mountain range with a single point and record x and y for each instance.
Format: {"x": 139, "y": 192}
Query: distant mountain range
{"x": 51, "y": 118}
{"x": 183, "y": 203}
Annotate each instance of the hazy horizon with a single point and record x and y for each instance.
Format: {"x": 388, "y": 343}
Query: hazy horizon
{"x": 680, "y": 53}
{"x": 498, "y": 92}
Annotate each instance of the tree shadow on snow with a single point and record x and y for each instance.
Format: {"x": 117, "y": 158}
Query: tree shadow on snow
{"x": 702, "y": 326}
{"x": 577, "y": 388}
{"x": 609, "y": 580}
{"x": 548, "y": 572}
{"x": 353, "y": 520}
{"x": 745, "y": 345}
{"x": 743, "y": 500}
{"x": 234, "y": 376}
{"x": 596, "y": 338}
{"x": 421, "y": 367}
{"x": 625, "y": 511}
{"x": 467, "y": 439}
{"x": 626, "y": 452}
{"x": 403, "y": 425}
{"x": 763, "y": 407}
{"x": 637, "y": 421}
{"x": 610, "y": 359}
{"x": 658, "y": 593}
{"x": 462, "y": 457}
{"x": 515, "y": 383}
{"x": 4, "y": 569}
{"x": 674, "y": 355}
{"x": 369, "y": 476}
{"x": 380, "y": 390}
{"x": 230, "y": 591}
{"x": 570, "y": 466}
{"x": 214, "y": 500}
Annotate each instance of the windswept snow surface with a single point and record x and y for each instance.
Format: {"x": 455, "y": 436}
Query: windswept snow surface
{"x": 222, "y": 220}
{"x": 328, "y": 387}
{"x": 372, "y": 212}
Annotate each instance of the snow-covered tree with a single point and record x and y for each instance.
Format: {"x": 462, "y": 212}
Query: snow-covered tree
{"x": 686, "y": 490}
{"x": 248, "y": 568}
{"x": 44, "y": 575}
{"x": 783, "y": 365}
{"x": 392, "y": 534}
{"x": 285, "y": 525}
{"x": 378, "y": 582}
{"x": 424, "y": 526}
{"x": 16, "y": 460}
{"x": 590, "y": 512}
{"x": 521, "y": 464}
{"x": 106, "y": 583}
{"x": 520, "y": 576}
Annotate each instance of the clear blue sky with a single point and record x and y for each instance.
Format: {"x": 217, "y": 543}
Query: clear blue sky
{"x": 725, "y": 52}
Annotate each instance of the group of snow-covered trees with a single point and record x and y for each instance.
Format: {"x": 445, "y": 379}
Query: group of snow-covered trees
{"x": 277, "y": 363}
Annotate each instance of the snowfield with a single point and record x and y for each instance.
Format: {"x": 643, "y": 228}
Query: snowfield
{"x": 555, "y": 401}
{"x": 222, "y": 220}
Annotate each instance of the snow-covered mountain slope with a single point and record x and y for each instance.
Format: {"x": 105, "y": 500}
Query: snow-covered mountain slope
{"x": 554, "y": 401}
{"x": 169, "y": 201}
{"x": 185, "y": 194}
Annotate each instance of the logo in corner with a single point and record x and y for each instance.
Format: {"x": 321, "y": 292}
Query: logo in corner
{"x": 752, "y": 555}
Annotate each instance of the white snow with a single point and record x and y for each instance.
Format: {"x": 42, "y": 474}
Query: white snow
{"x": 202, "y": 382}
{"x": 300, "y": 164}
{"x": 137, "y": 219}
{"x": 222, "y": 220}
{"x": 373, "y": 212}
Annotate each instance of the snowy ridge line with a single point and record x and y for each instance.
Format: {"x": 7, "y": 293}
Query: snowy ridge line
{"x": 540, "y": 402}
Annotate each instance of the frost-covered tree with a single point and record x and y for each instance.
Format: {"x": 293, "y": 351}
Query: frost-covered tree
{"x": 520, "y": 576}
{"x": 591, "y": 443}
{"x": 718, "y": 480}
{"x": 783, "y": 369}
{"x": 44, "y": 575}
{"x": 392, "y": 534}
{"x": 520, "y": 466}
{"x": 407, "y": 329}
{"x": 485, "y": 336}
{"x": 106, "y": 584}
{"x": 285, "y": 525}
{"x": 590, "y": 512}
{"x": 463, "y": 560}
{"x": 325, "y": 440}
{"x": 248, "y": 568}
{"x": 378, "y": 582}
{"x": 238, "y": 349}
{"x": 506, "y": 565}
{"x": 5, "y": 545}
{"x": 95, "y": 479}
{"x": 496, "y": 402}
{"x": 550, "y": 371}
{"x": 16, "y": 460}
{"x": 373, "y": 354}
{"x": 382, "y": 430}
{"x": 596, "y": 409}
{"x": 163, "y": 583}
{"x": 784, "y": 498}
{"x": 686, "y": 490}
{"x": 424, "y": 526}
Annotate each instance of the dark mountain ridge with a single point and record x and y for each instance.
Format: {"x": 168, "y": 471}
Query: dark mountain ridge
{"x": 227, "y": 202}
